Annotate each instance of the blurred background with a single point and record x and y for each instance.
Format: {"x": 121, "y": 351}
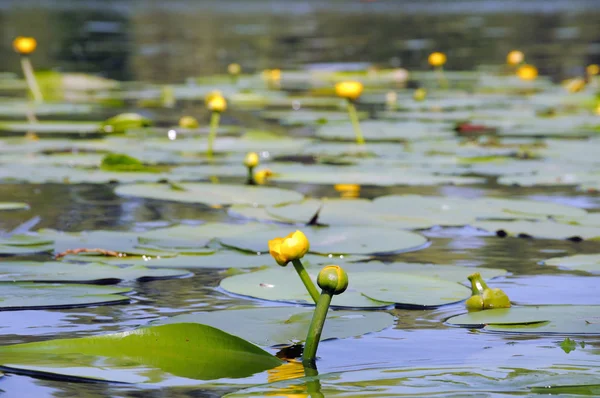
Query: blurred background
{"x": 169, "y": 41}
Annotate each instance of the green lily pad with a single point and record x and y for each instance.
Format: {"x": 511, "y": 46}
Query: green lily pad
{"x": 211, "y": 194}
{"x": 55, "y": 271}
{"x": 144, "y": 355}
{"x": 548, "y": 319}
{"x": 580, "y": 262}
{"x": 13, "y": 206}
{"x": 54, "y": 127}
{"x": 17, "y": 296}
{"x": 378, "y": 289}
{"x": 285, "y": 325}
{"x": 539, "y": 229}
{"x": 377, "y": 130}
{"x": 336, "y": 240}
{"x": 25, "y": 244}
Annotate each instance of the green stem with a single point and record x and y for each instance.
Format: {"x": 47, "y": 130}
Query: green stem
{"x": 250, "y": 180}
{"x": 308, "y": 283}
{"x": 441, "y": 77}
{"x": 355, "y": 123}
{"x": 30, "y": 78}
{"x": 313, "y": 385}
{"x": 315, "y": 330}
{"x": 214, "y": 125}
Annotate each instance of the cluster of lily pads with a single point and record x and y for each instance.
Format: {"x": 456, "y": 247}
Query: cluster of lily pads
{"x": 360, "y": 135}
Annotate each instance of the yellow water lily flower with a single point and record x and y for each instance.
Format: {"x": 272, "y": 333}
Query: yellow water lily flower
{"x": 217, "y": 104}
{"x": 262, "y": 176}
{"x": 574, "y": 85}
{"x": 292, "y": 247}
{"x": 211, "y": 95}
{"x": 349, "y": 89}
{"x": 593, "y": 69}
{"x": 234, "y": 69}
{"x": 527, "y": 72}
{"x": 251, "y": 159}
{"x": 515, "y": 57}
{"x": 24, "y": 45}
{"x": 437, "y": 58}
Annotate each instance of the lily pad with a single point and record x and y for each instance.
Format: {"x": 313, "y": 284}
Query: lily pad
{"x": 377, "y": 130}
{"x": 548, "y": 319}
{"x": 17, "y": 296}
{"x": 539, "y": 229}
{"x": 286, "y": 325}
{"x": 13, "y": 206}
{"x": 54, "y": 127}
{"x": 211, "y": 194}
{"x": 366, "y": 289}
{"x": 337, "y": 240}
{"x": 55, "y": 271}
{"x": 580, "y": 262}
{"x": 144, "y": 355}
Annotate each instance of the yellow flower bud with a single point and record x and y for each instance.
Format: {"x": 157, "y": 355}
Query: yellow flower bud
{"x": 292, "y": 247}
{"x": 24, "y": 45}
{"x": 262, "y": 176}
{"x": 211, "y": 95}
{"x": 234, "y": 69}
{"x": 527, "y": 72}
{"x": 515, "y": 57}
{"x": 574, "y": 85}
{"x": 333, "y": 279}
{"x": 349, "y": 90}
{"x": 188, "y": 122}
{"x": 251, "y": 159}
{"x": 593, "y": 69}
{"x": 217, "y": 104}
{"x": 437, "y": 59}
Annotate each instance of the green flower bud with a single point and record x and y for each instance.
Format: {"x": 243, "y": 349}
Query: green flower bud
{"x": 333, "y": 279}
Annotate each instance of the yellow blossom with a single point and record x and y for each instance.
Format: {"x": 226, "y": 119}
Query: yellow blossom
{"x": 437, "y": 59}
{"x": 292, "y": 247}
{"x": 234, "y": 69}
{"x": 217, "y": 104}
{"x": 24, "y": 45}
{"x": 527, "y": 72}
{"x": 251, "y": 159}
{"x": 515, "y": 57}
{"x": 349, "y": 89}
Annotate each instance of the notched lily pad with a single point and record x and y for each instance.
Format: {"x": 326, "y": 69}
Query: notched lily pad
{"x": 285, "y": 325}
{"x": 539, "y": 229}
{"x": 211, "y": 194}
{"x": 55, "y": 271}
{"x": 580, "y": 262}
{"x": 17, "y": 296}
{"x": 549, "y": 319}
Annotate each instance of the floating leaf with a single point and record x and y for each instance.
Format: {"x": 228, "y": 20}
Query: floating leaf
{"x": 55, "y": 271}
{"x": 336, "y": 240}
{"x": 13, "y": 206}
{"x": 378, "y": 289}
{"x": 144, "y": 355}
{"x": 548, "y": 319}
{"x": 539, "y": 229}
{"x": 212, "y": 194}
{"x": 16, "y": 296}
{"x": 285, "y": 325}
{"x": 581, "y": 262}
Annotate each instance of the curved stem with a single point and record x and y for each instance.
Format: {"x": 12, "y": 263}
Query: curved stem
{"x": 30, "y": 78}
{"x": 355, "y": 123}
{"x": 315, "y": 329}
{"x": 214, "y": 125}
{"x": 308, "y": 283}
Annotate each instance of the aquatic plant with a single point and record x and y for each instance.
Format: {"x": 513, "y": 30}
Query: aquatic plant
{"x": 122, "y": 122}
{"x": 483, "y": 297}
{"x": 438, "y": 60}
{"x": 25, "y": 46}
{"x": 333, "y": 280}
{"x": 351, "y": 91}
{"x": 234, "y": 71}
{"x": 216, "y": 104}
{"x": 527, "y": 72}
{"x": 188, "y": 122}
{"x": 251, "y": 161}
{"x": 515, "y": 57}
{"x": 292, "y": 248}
{"x": 419, "y": 94}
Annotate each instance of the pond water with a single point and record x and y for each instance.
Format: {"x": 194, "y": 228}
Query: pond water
{"x": 543, "y": 150}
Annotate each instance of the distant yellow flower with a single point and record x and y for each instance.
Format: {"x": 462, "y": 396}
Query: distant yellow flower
{"x": 251, "y": 159}
{"x": 349, "y": 89}
{"x": 275, "y": 74}
{"x": 234, "y": 69}
{"x": 24, "y": 45}
{"x": 437, "y": 59}
{"x": 593, "y": 69}
{"x": 217, "y": 104}
{"x": 348, "y": 190}
{"x": 292, "y": 247}
{"x": 574, "y": 85}
{"x": 262, "y": 176}
{"x": 420, "y": 94}
{"x": 211, "y": 95}
{"x": 515, "y": 57}
{"x": 188, "y": 122}
{"x": 527, "y": 72}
